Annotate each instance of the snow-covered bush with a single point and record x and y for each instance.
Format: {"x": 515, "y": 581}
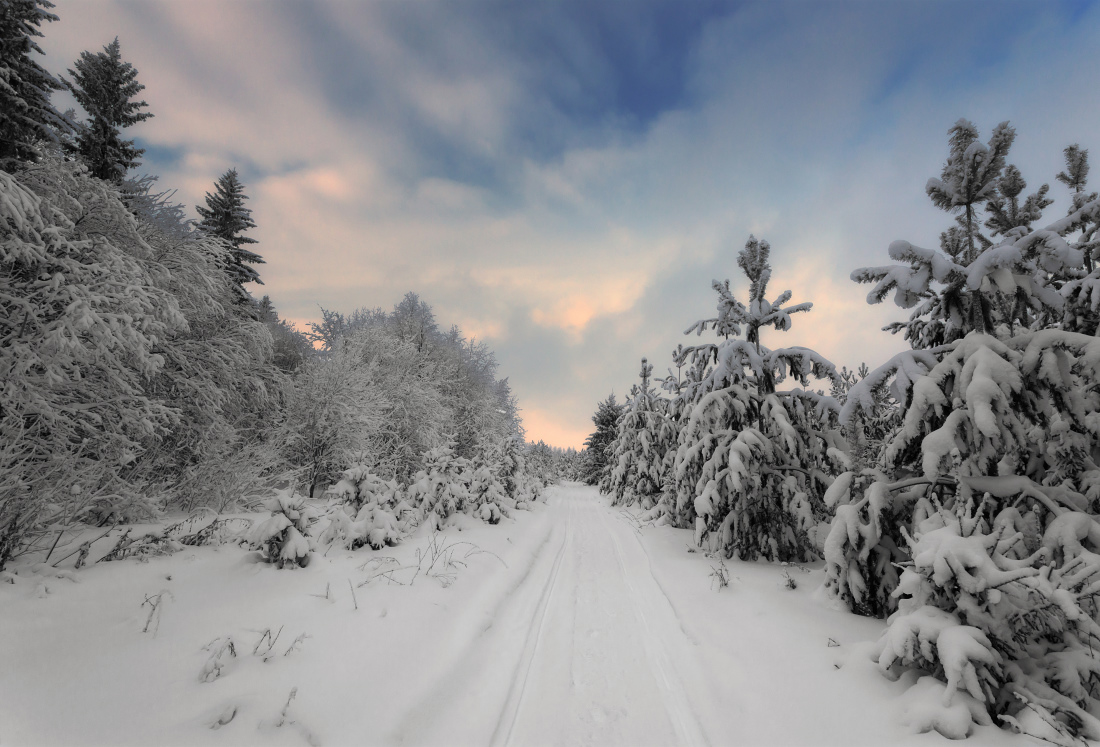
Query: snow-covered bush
{"x": 284, "y": 536}
{"x": 753, "y": 463}
{"x": 371, "y": 511}
{"x": 1005, "y": 618}
{"x": 81, "y": 317}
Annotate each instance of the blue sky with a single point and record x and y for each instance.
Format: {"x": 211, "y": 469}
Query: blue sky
{"x": 564, "y": 179}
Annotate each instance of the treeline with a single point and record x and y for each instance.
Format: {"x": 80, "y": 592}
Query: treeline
{"x": 955, "y": 489}
{"x": 140, "y": 374}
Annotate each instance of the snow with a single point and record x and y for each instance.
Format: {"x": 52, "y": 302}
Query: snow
{"x": 573, "y": 623}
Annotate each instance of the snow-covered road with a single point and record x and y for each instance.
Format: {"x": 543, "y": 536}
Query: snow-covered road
{"x": 565, "y": 625}
{"x": 587, "y": 651}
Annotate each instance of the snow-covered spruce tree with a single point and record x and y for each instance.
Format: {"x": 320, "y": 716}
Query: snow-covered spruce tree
{"x": 80, "y": 320}
{"x": 442, "y": 488}
{"x": 26, "y": 114}
{"x": 283, "y": 537}
{"x": 104, "y": 85}
{"x": 225, "y": 217}
{"x": 991, "y": 479}
{"x": 753, "y": 463}
{"x": 599, "y": 441}
{"x": 639, "y": 450}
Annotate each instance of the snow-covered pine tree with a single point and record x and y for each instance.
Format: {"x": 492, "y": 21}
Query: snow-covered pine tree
{"x": 638, "y": 453}
{"x": 26, "y": 114}
{"x": 969, "y": 180}
{"x": 598, "y": 442}
{"x": 667, "y": 443}
{"x": 226, "y": 218}
{"x": 992, "y": 477}
{"x": 753, "y": 462}
{"x": 992, "y": 482}
{"x": 872, "y": 427}
{"x": 105, "y": 85}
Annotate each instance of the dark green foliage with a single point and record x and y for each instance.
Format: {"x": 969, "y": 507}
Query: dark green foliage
{"x": 225, "y": 217}
{"x": 26, "y": 114}
{"x": 104, "y": 85}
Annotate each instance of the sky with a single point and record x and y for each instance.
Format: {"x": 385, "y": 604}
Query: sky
{"x": 563, "y": 180}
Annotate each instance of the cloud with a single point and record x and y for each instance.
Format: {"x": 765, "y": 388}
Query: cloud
{"x": 564, "y": 180}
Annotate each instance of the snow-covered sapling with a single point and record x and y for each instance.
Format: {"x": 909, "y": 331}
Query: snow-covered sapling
{"x": 283, "y": 537}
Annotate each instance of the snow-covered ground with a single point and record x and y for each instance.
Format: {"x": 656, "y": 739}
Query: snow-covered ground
{"x": 569, "y": 625}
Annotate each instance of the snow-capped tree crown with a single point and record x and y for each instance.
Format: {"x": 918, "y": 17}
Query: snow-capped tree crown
{"x": 104, "y": 85}
{"x": 226, "y": 217}
{"x": 971, "y": 282}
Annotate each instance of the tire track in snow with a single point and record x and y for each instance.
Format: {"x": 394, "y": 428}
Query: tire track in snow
{"x": 444, "y": 718}
{"x": 649, "y": 612}
{"x": 507, "y": 721}
{"x": 586, "y": 650}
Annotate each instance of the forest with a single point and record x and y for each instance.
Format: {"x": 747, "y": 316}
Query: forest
{"x": 951, "y": 491}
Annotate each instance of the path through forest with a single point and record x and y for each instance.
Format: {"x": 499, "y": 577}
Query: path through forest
{"x": 569, "y": 625}
{"x": 588, "y": 650}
